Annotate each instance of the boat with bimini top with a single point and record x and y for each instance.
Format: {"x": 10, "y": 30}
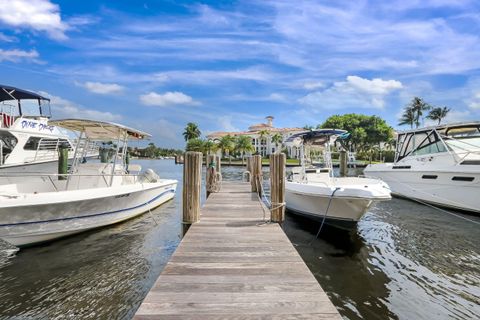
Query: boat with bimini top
{"x": 90, "y": 195}
{"x": 28, "y": 141}
{"x": 318, "y": 194}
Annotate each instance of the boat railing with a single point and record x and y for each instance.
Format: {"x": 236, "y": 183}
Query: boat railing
{"x": 7, "y": 115}
{"x": 47, "y": 149}
{"x": 56, "y": 178}
{"x": 87, "y": 147}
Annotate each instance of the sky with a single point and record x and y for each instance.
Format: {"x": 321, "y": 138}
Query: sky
{"x": 156, "y": 65}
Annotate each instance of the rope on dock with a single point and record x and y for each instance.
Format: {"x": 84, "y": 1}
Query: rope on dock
{"x": 271, "y": 205}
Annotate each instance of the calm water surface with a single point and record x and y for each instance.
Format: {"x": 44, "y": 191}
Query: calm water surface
{"x": 405, "y": 261}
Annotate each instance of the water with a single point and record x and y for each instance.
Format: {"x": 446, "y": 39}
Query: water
{"x": 405, "y": 261}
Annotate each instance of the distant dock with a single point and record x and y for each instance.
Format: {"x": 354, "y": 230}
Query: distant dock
{"x": 233, "y": 265}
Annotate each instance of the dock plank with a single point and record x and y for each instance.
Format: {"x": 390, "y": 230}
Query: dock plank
{"x": 233, "y": 265}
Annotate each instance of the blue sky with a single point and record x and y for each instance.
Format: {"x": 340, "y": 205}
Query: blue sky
{"x": 157, "y": 65}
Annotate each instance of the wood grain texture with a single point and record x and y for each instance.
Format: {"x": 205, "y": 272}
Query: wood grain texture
{"x": 192, "y": 180}
{"x": 233, "y": 265}
{"x": 277, "y": 186}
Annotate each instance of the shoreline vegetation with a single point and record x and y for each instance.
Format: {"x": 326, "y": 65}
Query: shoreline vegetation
{"x": 371, "y": 138}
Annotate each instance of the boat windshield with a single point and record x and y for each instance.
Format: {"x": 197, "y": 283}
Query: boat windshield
{"x": 465, "y": 138}
{"x": 419, "y": 143}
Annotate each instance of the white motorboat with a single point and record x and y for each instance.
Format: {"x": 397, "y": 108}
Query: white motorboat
{"x": 90, "y": 195}
{"x": 339, "y": 201}
{"x": 438, "y": 165}
{"x": 28, "y": 142}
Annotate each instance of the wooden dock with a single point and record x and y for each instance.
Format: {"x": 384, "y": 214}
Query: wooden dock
{"x": 231, "y": 265}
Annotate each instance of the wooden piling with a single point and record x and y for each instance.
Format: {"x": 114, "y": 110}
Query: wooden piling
{"x": 277, "y": 186}
{"x": 213, "y": 168}
{"x": 256, "y": 174}
{"x": 192, "y": 179}
{"x": 179, "y": 159}
{"x": 249, "y": 168}
{"x": 343, "y": 163}
{"x": 62, "y": 161}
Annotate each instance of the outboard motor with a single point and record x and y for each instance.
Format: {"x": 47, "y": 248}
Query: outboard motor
{"x": 150, "y": 176}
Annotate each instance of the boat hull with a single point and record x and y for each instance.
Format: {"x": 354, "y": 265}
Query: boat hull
{"x": 433, "y": 187}
{"x": 33, "y": 223}
{"x": 343, "y": 211}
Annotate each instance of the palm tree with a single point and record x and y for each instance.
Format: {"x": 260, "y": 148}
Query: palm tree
{"x": 195, "y": 144}
{"x": 244, "y": 144}
{"x": 191, "y": 131}
{"x": 227, "y": 145}
{"x": 408, "y": 117}
{"x": 210, "y": 146}
{"x": 277, "y": 139}
{"x": 418, "y": 106}
{"x": 263, "y": 135}
{"x": 438, "y": 113}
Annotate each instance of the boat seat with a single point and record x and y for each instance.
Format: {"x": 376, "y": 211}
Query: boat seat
{"x": 134, "y": 168}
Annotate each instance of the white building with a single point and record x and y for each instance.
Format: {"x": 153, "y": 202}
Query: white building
{"x": 263, "y": 144}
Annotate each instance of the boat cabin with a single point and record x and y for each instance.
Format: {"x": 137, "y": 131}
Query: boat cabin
{"x": 26, "y": 137}
{"x": 16, "y": 102}
{"x": 459, "y": 138}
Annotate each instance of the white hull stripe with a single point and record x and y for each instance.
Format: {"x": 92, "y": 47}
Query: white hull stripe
{"x": 91, "y": 215}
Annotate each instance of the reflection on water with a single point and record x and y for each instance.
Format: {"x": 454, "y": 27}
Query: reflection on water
{"x": 104, "y": 273}
{"x": 405, "y": 261}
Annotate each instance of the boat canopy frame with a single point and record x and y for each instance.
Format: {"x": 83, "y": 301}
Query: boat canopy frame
{"x": 318, "y": 137}
{"x": 9, "y": 93}
{"x": 93, "y": 130}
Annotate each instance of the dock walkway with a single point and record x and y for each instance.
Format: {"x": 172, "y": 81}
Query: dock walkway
{"x": 231, "y": 265}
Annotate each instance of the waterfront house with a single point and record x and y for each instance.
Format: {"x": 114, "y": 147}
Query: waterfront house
{"x": 263, "y": 142}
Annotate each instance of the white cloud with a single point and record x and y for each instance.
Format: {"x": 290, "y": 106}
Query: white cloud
{"x": 458, "y": 116}
{"x": 376, "y": 86}
{"x": 474, "y": 101}
{"x": 102, "y": 88}
{"x": 16, "y": 55}
{"x": 379, "y": 37}
{"x": 5, "y": 38}
{"x": 313, "y": 85}
{"x": 82, "y": 20}
{"x": 167, "y": 99}
{"x": 38, "y": 15}
{"x": 356, "y": 92}
{"x": 225, "y": 123}
{"x": 253, "y": 73}
{"x": 63, "y": 108}
{"x": 277, "y": 97}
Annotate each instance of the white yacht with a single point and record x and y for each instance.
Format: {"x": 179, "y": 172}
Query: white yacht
{"x": 90, "y": 195}
{"x": 439, "y": 165}
{"x": 339, "y": 201}
{"x": 28, "y": 142}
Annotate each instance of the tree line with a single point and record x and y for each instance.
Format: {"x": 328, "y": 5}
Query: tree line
{"x": 227, "y": 144}
{"x": 368, "y": 134}
{"x": 152, "y": 151}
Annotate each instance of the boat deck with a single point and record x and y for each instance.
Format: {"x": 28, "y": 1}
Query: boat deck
{"x": 232, "y": 265}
